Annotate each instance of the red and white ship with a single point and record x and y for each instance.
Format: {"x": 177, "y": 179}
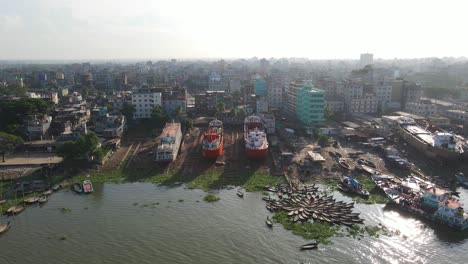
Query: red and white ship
{"x": 212, "y": 144}
{"x": 256, "y": 143}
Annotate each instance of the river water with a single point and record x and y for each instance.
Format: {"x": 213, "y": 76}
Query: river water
{"x": 122, "y": 223}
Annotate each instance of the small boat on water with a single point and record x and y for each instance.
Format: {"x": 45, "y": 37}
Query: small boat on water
{"x": 353, "y": 186}
{"x": 87, "y": 186}
{"x": 344, "y": 164}
{"x": 15, "y": 209}
{"x": 268, "y": 222}
{"x": 32, "y": 200}
{"x": 4, "y": 227}
{"x": 43, "y": 199}
{"x": 77, "y": 187}
{"x": 272, "y": 189}
{"x": 57, "y": 187}
{"x": 462, "y": 180}
{"x": 310, "y": 245}
{"x": 240, "y": 194}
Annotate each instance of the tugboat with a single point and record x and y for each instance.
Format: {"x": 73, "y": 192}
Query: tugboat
{"x": 256, "y": 143}
{"x": 213, "y": 141}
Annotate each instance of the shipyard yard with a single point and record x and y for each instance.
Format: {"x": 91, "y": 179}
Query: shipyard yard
{"x": 295, "y": 182}
{"x": 296, "y": 192}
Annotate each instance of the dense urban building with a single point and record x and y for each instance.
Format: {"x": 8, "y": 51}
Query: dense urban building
{"x": 310, "y": 105}
{"x": 422, "y": 108}
{"x": 366, "y": 59}
{"x": 367, "y": 104}
{"x": 144, "y": 99}
{"x": 260, "y": 86}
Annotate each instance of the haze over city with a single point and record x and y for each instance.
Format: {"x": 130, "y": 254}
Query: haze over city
{"x": 116, "y": 29}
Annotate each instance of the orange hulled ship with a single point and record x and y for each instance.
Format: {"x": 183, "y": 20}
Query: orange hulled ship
{"x": 256, "y": 143}
{"x": 212, "y": 144}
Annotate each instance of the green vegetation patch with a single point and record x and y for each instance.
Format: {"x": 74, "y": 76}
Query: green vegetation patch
{"x": 259, "y": 180}
{"x": 323, "y": 231}
{"x": 65, "y": 210}
{"x": 206, "y": 180}
{"x": 211, "y": 198}
{"x": 317, "y": 230}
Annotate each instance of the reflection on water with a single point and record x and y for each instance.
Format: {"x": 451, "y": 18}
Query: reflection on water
{"x": 143, "y": 223}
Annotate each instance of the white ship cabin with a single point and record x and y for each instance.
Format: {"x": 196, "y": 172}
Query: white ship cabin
{"x": 256, "y": 139}
{"x": 448, "y": 209}
{"x": 448, "y": 141}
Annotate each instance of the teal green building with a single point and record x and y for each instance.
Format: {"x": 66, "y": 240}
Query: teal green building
{"x": 310, "y": 106}
{"x": 260, "y": 87}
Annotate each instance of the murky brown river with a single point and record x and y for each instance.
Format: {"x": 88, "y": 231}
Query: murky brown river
{"x": 109, "y": 227}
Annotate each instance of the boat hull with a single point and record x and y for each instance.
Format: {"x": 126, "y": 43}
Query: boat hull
{"x": 213, "y": 153}
{"x": 256, "y": 153}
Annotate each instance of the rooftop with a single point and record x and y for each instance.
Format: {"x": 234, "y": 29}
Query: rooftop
{"x": 413, "y": 116}
{"x": 457, "y": 111}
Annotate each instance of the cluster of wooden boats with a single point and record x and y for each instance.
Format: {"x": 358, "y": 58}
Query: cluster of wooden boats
{"x": 43, "y": 198}
{"x": 308, "y": 205}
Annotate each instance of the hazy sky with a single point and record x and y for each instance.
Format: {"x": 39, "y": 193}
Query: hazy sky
{"x": 140, "y": 29}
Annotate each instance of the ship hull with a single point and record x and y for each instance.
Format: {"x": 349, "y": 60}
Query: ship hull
{"x": 256, "y": 153}
{"x": 213, "y": 153}
{"x": 429, "y": 151}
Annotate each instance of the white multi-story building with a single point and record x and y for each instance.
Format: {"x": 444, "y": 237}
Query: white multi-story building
{"x": 275, "y": 95}
{"x": 367, "y": 104}
{"x": 38, "y": 126}
{"x": 421, "y": 107}
{"x": 353, "y": 88}
{"x": 144, "y": 100}
{"x": 383, "y": 90}
{"x": 457, "y": 115}
{"x": 366, "y": 59}
{"x": 334, "y": 106}
{"x": 59, "y": 76}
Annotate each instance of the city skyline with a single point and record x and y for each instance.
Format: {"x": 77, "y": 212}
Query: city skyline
{"x": 120, "y": 30}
